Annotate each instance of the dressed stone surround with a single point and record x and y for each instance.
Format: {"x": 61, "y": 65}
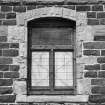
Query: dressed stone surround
{"x": 19, "y": 34}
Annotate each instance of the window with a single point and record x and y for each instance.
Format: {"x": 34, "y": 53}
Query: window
{"x": 51, "y": 56}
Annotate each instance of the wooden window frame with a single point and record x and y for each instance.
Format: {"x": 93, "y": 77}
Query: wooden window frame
{"x": 51, "y": 90}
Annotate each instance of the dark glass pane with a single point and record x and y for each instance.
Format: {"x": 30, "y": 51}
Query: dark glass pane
{"x": 52, "y": 36}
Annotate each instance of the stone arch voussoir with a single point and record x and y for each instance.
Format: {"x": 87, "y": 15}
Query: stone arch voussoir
{"x": 23, "y": 18}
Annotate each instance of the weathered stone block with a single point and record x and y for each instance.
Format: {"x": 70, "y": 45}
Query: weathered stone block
{"x": 101, "y": 15}
{"x": 91, "y": 52}
{"x": 11, "y": 75}
{"x": 16, "y": 34}
{"x": 101, "y": 74}
{"x": 79, "y": 72}
{"x": 7, "y": 98}
{"x": 101, "y": 60}
{"x": 3, "y": 30}
{"x": 1, "y": 74}
{"x": 4, "y": 45}
{"x": 14, "y": 45}
{"x": 3, "y": 38}
{"x": 4, "y": 67}
{"x": 97, "y": 98}
{"x": 10, "y": 53}
{"x": 14, "y": 67}
{"x": 6, "y": 90}
{"x": 84, "y": 33}
{"x": 102, "y": 21}
{"x": 19, "y": 9}
{"x": 88, "y": 60}
{"x": 19, "y": 87}
{"x": 31, "y": 7}
{"x": 98, "y": 90}
{"x": 92, "y": 67}
{"x": 103, "y": 66}
{"x": 11, "y": 15}
{"x": 99, "y": 38}
{"x": 83, "y": 86}
{"x": 81, "y": 19}
{"x": 5, "y": 8}
{"x": 91, "y": 14}
{"x": 6, "y": 82}
{"x": 2, "y": 15}
{"x": 94, "y": 45}
{"x": 97, "y": 8}
{"x": 9, "y": 22}
{"x": 90, "y": 74}
{"x": 93, "y": 22}
{"x": 102, "y": 52}
{"x": 98, "y": 82}
{"x": 5, "y": 60}
{"x": 83, "y": 8}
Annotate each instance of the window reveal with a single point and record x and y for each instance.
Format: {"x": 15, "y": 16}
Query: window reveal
{"x": 51, "y": 54}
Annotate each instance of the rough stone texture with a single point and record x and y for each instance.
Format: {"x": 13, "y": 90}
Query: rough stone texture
{"x": 16, "y": 34}
{"x": 97, "y": 98}
{"x": 4, "y": 31}
{"x": 97, "y": 8}
{"x": 98, "y": 82}
{"x": 9, "y": 22}
{"x": 94, "y": 45}
{"x": 19, "y": 9}
{"x": 7, "y": 98}
{"x": 6, "y": 82}
{"x": 71, "y": 1}
{"x": 91, "y": 14}
{"x": 4, "y": 67}
{"x": 92, "y": 67}
{"x": 83, "y": 86}
{"x": 6, "y": 8}
{"x": 6, "y": 90}
{"x": 101, "y": 74}
{"x": 4, "y": 45}
{"x": 79, "y": 68}
{"x": 91, "y": 52}
{"x": 19, "y": 87}
{"x": 5, "y": 60}
{"x": 14, "y": 67}
{"x": 87, "y": 60}
{"x": 10, "y": 53}
{"x": 14, "y": 45}
{"x": 101, "y": 60}
{"x": 93, "y": 22}
{"x": 83, "y": 8}
{"x": 11, "y": 75}
{"x": 11, "y": 15}
{"x": 84, "y": 33}
{"x": 88, "y": 51}
{"x": 3, "y": 38}
{"x": 99, "y": 38}
{"x": 98, "y": 90}
{"x": 103, "y": 66}
{"x": 90, "y": 74}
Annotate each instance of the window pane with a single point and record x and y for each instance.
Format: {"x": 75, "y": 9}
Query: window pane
{"x": 63, "y": 69}
{"x": 52, "y": 36}
{"x": 40, "y": 68}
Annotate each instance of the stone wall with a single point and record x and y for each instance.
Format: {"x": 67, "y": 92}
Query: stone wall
{"x": 90, "y": 43}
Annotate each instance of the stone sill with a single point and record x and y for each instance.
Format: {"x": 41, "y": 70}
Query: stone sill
{"x": 53, "y": 98}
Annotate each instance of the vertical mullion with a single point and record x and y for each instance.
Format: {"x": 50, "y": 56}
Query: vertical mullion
{"x": 51, "y": 70}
